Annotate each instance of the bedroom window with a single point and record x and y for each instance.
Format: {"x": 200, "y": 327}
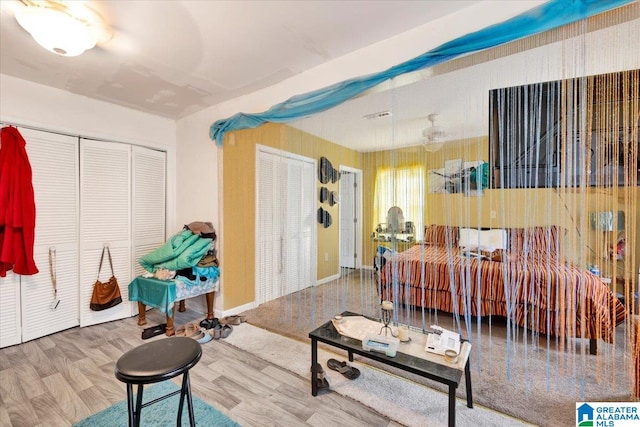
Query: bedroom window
{"x": 402, "y": 187}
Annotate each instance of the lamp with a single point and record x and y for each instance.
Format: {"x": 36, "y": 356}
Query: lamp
{"x": 66, "y": 29}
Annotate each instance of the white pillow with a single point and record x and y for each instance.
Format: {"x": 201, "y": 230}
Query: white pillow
{"x": 484, "y": 240}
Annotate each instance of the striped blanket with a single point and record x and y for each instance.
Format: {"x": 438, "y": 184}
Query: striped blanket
{"x": 536, "y": 290}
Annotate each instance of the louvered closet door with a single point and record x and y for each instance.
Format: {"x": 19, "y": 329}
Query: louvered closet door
{"x": 105, "y": 218}
{"x": 300, "y": 224}
{"x": 54, "y": 163}
{"x": 270, "y": 180}
{"x": 285, "y": 210}
{"x": 10, "y": 329}
{"x": 149, "y": 205}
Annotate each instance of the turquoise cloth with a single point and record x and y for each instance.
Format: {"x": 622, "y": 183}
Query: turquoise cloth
{"x": 153, "y": 292}
{"x": 211, "y": 273}
{"x": 189, "y": 257}
{"x": 182, "y": 250}
{"x": 551, "y": 14}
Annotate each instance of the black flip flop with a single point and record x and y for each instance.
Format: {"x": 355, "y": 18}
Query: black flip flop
{"x": 321, "y": 379}
{"x": 154, "y": 330}
{"x": 348, "y": 371}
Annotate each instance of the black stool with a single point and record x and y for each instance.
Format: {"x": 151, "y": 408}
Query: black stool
{"x": 155, "y": 362}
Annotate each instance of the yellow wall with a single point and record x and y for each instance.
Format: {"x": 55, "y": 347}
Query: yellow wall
{"x": 568, "y": 208}
{"x": 237, "y": 260}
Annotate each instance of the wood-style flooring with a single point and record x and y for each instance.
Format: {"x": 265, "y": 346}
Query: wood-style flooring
{"x": 63, "y": 378}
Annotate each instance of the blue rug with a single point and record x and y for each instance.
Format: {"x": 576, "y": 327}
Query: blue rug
{"x": 163, "y": 413}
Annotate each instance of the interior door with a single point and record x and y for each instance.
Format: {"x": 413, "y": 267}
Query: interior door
{"x": 54, "y": 165}
{"x": 350, "y": 212}
{"x": 105, "y": 206}
{"x": 149, "y": 203}
{"x": 10, "y": 327}
{"x": 300, "y": 225}
{"x": 269, "y": 207}
{"x": 285, "y": 227}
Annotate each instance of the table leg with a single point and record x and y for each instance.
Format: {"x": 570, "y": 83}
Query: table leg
{"x": 467, "y": 379}
{"x": 452, "y": 406}
{"x": 182, "y": 307}
{"x": 314, "y": 371}
{"x": 209, "y": 296}
{"x": 142, "y": 314}
{"x": 170, "y": 330}
{"x": 350, "y": 356}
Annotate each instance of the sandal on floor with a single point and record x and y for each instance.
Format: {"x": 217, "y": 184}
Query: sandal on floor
{"x": 187, "y": 330}
{"x": 348, "y": 371}
{"x": 202, "y": 337}
{"x": 233, "y": 320}
{"x": 226, "y": 331}
{"x": 321, "y": 379}
{"x": 209, "y": 323}
{"x": 154, "y": 330}
{"x": 216, "y": 332}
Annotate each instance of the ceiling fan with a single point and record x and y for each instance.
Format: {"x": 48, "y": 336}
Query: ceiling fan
{"x": 433, "y": 135}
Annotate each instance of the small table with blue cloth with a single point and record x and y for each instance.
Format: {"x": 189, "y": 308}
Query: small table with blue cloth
{"x": 162, "y": 294}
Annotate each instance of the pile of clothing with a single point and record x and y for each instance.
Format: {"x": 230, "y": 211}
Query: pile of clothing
{"x": 188, "y": 256}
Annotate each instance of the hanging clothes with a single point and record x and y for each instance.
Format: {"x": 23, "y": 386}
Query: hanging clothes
{"x": 17, "y": 205}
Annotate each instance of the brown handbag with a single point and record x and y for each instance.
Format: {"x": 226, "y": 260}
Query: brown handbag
{"x": 105, "y": 294}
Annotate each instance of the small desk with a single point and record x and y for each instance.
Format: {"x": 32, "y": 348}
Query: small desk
{"x": 441, "y": 372}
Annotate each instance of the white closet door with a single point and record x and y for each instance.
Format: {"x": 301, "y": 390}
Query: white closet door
{"x": 9, "y": 310}
{"x": 285, "y": 223}
{"x": 105, "y": 218}
{"x": 54, "y": 164}
{"x": 149, "y": 184}
{"x": 268, "y": 226}
{"x": 300, "y": 225}
{"x": 347, "y": 220}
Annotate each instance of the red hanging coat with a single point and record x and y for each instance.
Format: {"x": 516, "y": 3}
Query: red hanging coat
{"x": 17, "y": 205}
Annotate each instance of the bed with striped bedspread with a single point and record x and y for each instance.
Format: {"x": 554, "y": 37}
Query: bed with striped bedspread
{"x": 529, "y": 285}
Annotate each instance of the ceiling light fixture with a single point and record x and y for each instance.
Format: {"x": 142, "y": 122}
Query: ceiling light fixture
{"x": 65, "y": 28}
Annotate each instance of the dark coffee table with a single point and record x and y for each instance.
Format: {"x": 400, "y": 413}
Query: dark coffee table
{"x": 441, "y": 372}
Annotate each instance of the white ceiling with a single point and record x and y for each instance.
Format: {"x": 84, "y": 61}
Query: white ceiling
{"x": 174, "y": 58}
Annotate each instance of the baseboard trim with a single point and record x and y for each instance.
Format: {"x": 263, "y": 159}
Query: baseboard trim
{"x": 327, "y": 279}
{"x": 237, "y": 310}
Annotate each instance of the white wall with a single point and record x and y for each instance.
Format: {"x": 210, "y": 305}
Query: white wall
{"x": 197, "y": 158}
{"x": 30, "y": 104}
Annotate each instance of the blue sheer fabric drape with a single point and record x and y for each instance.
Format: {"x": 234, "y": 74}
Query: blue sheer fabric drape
{"x": 549, "y": 15}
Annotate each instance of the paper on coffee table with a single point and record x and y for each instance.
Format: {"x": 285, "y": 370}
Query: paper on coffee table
{"x": 357, "y": 327}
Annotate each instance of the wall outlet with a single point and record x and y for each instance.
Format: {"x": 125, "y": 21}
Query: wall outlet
{"x": 492, "y": 215}
{"x": 326, "y": 256}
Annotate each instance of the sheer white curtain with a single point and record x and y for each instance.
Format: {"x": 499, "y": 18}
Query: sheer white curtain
{"x": 402, "y": 187}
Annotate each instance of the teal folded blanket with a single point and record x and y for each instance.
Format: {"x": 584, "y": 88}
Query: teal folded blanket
{"x": 182, "y": 250}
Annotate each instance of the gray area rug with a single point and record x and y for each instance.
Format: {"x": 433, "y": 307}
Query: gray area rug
{"x": 540, "y": 382}
{"x": 403, "y": 401}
